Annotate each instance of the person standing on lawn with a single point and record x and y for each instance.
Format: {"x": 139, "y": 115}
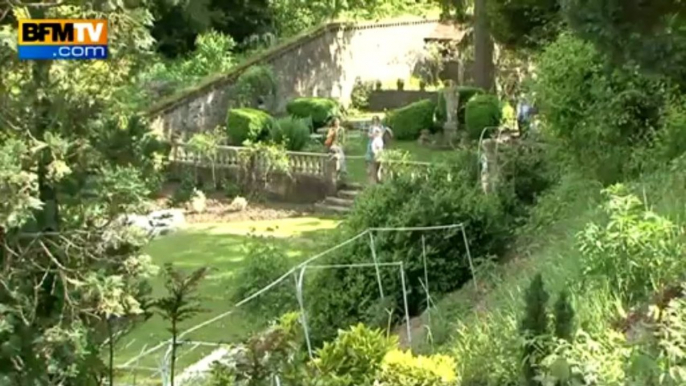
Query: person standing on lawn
{"x": 377, "y": 148}
{"x": 335, "y": 139}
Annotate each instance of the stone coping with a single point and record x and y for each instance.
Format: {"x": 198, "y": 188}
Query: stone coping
{"x": 218, "y": 80}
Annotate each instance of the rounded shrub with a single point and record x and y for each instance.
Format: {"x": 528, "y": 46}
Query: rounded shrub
{"x": 247, "y": 124}
{"x": 409, "y": 121}
{"x": 480, "y": 112}
{"x": 319, "y": 109}
{"x": 294, "y": 133}
{"x": 256, "y": 82}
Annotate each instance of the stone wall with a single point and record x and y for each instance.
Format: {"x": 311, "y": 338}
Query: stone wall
{"x": 323, "y": 63}
{"x": 380, "y": 100}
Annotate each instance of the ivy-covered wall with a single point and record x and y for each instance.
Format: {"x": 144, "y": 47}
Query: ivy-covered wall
{"x": 323, "y": 62}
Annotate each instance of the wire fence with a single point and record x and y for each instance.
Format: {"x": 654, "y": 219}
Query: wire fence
{"x": 199, "y": 369}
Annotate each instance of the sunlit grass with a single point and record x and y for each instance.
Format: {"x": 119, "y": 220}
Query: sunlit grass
{"x": 220, "y": 247}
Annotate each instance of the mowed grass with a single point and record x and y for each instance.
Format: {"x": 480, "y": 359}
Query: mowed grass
{"x": 221, "y": 248}
{"x": 356, "y": 147}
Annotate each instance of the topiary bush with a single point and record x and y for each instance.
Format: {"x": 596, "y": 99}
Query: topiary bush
{"x": 408, "y": 122}
{"x": 480, "y": 112}
{"x": 247, "y": 124}
{"x": 466, "y": 93}
{"x": 293, "y": 133}
{"x": 319, "y": 109}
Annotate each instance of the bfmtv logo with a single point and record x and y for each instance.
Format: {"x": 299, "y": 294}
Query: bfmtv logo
{"x": 62, "y": 39}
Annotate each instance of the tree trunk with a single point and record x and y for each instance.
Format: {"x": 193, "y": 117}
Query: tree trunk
{"x": 172, "y": 363}
{"x": 110, "y": 335}
{"x": 483, "y": 48}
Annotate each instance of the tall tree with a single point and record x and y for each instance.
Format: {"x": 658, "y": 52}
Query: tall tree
{"x": 484, "y": 67}
{"x": 651, "y": 34}
{"x": 64, "y": 268}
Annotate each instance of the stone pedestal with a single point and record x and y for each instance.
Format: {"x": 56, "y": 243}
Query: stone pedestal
{"x": 489, "y": 165}
{"x": 452, "y": 98}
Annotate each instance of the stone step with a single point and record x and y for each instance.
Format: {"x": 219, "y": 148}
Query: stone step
{"x": 348, "y": 194}
{"x": 337, "y": 201}
{"x": 331, "y": 208}
{"x": 352, "y": 186}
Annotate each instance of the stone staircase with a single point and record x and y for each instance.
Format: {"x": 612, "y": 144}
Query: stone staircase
{"x": 343, "y": 201}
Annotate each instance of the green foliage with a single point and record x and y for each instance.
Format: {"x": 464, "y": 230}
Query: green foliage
{"x": 359, "y": 97}
{"x": 534, "y": 329}
{"x": 408, "y": 122}
{"x": 600, "y": 115}
{"x": 401, "y": 368}
{"x": 294, "y": 133}
{"x": 247, "y": 124}
{"x": 631, "y": 31}
{"x": 275, "y": 351}
{"x": 636, "y": 253}
{"x": 482, "y": 111}
{"x": 265, "y": 263}
{"x": 524, "y": 24}
{"x": 256, "y": 82}
{"x": 354, "y": 357}
{"x": 564, "y": 316}
{"x": 320, "y": 110}
{"x": 443, "y": 195}
{"x": 178, "y": 304}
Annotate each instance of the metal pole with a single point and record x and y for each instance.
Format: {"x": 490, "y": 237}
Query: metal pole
{"x": 303, "y": 316}
{"x": 376, "y": 263}
{"x": 407, "y": 310}
{"x": 469, "y": 258}
{"x": 426, "y": 280}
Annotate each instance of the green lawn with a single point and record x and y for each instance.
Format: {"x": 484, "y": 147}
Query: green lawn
{"x": 220, "y": 247}
{"x": 356, "y": 146}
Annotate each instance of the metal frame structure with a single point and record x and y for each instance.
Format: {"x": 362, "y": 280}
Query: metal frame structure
{"x": 298, "y": 273}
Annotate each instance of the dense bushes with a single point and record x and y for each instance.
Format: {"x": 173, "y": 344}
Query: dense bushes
{"x": 319, "y": 109}
{"x": 600, "y": 114}
{"x": 294, "y": 133}
{"x": 247, "y": 124}
{"x": 482, "y": 111}
{"x": 340, "y": 297}
{"x": 408, "y": 122}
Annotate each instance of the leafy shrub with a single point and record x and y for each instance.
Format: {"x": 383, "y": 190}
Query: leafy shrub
{"x": 401, "y": 368}
{"x": 294, "y": 133}
{"x": 264, "y": 263}
{"x": 256, "y": 82}
{"x": 359, "y": 97}
{"x": 247, "y": 124}
{"x": 340, "y": 297}
{"x": 408, "y": 122}
{"x": 465, "y": 94}
{"x": 480, "y": 112}
{"x": 354, "y": 357}
{"x": 599, "y": 115}
{"x": 319, "y": 109}
{"x": 636, "y": 253}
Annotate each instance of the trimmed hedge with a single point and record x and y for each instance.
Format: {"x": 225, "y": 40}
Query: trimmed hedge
{"x": 466, "y": 93}
{"x": 319, "y": 109}
{"x": 482, "y": 111}
{"x": 293, "y": 132}
{"x": 248, "y": 124}
{"x": 408, "y": 122}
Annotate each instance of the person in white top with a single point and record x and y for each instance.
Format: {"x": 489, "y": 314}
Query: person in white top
{"x": 377, "y": 147}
